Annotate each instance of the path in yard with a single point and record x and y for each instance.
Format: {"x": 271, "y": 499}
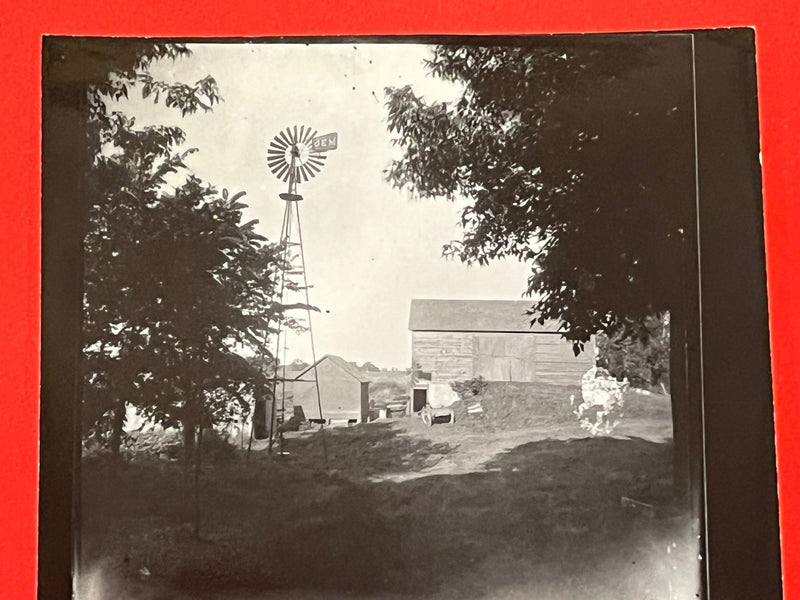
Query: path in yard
{"x": 470, "y": 452}
{"x": 473, "y": 451}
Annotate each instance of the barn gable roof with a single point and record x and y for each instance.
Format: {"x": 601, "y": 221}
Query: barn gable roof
{"x": 340, "y": 363}
{"x": 507, "y": 316}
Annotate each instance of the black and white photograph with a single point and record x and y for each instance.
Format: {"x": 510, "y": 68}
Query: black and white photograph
{"x": 382, "y": 317}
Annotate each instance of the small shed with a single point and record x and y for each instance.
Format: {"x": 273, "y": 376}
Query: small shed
{"x": 343, "y": 391}
{"x": 455, "y": 340}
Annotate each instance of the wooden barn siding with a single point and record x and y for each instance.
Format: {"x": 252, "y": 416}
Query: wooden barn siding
{"x": 544, "y": 357}
{"x": 505, "y": 356}
{"x": 557, "y": 364}
{"x": 446, "y": 355}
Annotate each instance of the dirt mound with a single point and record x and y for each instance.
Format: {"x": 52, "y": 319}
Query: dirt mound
{"x": 515, "y": 405}
{"x": 510, "y": 406}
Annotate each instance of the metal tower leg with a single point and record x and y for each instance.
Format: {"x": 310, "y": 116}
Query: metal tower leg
{"x": 291, "y": 215}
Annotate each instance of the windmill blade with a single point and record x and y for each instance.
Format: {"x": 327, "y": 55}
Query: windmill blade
{"x": 280, "y": 151}
{"x": 309, "y": 136}
{"x": 276, "y": 159}
{"x": 317, "y": 161}
{"x": 281, "y": 170}
{"x": 314, "y": 169}
{"x": 285, "y": 138}
{"x": 274, "y": 150}
{"x": 306, "y": 161}
{"x": 278, "y": 144}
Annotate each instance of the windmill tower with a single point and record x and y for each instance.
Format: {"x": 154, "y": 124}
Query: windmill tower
{"x": 293, "y": 154}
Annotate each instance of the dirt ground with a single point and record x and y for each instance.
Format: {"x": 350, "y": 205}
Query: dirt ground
{"x": 393, "y": 509}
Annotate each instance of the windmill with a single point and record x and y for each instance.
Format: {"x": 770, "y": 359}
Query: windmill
{"x": 294, "y": 154}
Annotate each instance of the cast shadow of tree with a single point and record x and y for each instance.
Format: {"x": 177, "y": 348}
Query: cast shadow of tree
{"x": 546, "y": 514}
{"x": 549, "y": 510}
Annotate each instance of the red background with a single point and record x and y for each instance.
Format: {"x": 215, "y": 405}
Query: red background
{"x": 778, "y": 56}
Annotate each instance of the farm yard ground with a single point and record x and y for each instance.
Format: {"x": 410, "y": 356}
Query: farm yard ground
{"x": 493, "y": 506}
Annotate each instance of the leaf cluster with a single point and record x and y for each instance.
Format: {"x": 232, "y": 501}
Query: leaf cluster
{"x": 177, "y": 289}
{"x": 643, "y": 357}
{"x": 575, "y": 157}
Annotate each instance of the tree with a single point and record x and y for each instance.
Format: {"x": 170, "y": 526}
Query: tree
{"x": 175, "y": 285}
{"x": 162, "y": 334}
{"x": 80, "y": 77}
{"x": 298, "y": 364}
{"x": 576, "y": 156}
{"x": 643, "y": 361}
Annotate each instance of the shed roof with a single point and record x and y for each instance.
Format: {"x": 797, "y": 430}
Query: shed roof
{"x": 340, "y": 364}
{"x": 475, "y": 315}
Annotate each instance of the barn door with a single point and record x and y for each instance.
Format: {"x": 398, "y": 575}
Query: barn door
{"x": 420, "y": 399}
{"x": 504, "y": 357}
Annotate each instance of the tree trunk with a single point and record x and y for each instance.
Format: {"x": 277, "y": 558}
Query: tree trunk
{"x": 686, "y": 394}
{"x": 681, "y": 412}
{"x": 189, "y": 426}
{"x": 190, "y": 419}
{"x": 117, "y": 427}
{"x": 197, "y": 468}
{"x": 259, "y": 417}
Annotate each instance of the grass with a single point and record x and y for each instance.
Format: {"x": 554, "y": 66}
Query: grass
{"x": 538, "y": 517}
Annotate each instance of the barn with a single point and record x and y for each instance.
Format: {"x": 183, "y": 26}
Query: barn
{"x": 343, "y": 391}
{"x": 455, "y": 340}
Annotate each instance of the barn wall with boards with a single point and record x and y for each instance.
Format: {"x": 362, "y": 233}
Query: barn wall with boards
{"x": 497, "y": 356}
{"x": 455, "y": 340}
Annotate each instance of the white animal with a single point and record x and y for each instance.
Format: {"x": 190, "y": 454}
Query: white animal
{"x": 603, "y": 392}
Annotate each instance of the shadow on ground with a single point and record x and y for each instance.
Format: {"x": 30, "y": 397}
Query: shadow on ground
{"x": 543, "y": 520}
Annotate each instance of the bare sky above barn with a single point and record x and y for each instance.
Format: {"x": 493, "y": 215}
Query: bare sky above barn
{"x": 369, "y": 249}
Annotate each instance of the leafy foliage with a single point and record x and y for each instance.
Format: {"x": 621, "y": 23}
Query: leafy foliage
{"x": 575, "y": 156}
{"x": 643, "y": 360}
{"x": 114, "y": 69}
{"x": 176, "y": 287}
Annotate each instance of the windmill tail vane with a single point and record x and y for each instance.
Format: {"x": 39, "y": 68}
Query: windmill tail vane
{"x": 297, "y": 153}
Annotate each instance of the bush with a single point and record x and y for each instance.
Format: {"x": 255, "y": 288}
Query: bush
{"x": 469, "y": 388}
{"x": 643, "y": 359}
{"x": 216, "y": 448}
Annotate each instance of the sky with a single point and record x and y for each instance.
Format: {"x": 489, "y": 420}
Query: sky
{"x": 369, "y": 249}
